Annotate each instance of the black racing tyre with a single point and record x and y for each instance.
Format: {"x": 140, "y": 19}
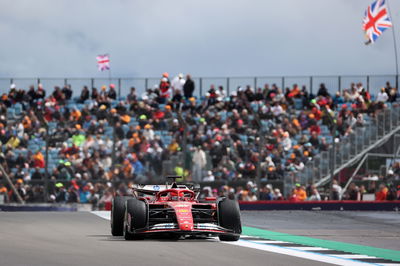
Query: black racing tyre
{"x": 135, "y": 217}
{"x": 117, "y": 215}
{"x": 229, "y": 218}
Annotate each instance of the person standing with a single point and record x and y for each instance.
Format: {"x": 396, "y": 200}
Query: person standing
{"x": 199, "y": 162}
{"x": 188, "y": 88}
{"x": 177, "y": 83}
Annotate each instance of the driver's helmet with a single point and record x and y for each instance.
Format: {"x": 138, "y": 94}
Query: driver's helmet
{"x": 173, "y": 196}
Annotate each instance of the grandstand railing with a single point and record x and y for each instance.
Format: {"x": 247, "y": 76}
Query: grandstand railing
{"x": 334, "y": 83}
{"x": 352, "y": 147}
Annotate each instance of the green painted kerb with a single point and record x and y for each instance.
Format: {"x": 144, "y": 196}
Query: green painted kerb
{"x": 353, "y": 248}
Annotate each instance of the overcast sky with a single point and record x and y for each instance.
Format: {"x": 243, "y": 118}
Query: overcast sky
{"x": 61, "y": 38}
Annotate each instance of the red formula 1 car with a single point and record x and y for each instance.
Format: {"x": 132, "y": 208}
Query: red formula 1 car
{"x": 174, "y": 210}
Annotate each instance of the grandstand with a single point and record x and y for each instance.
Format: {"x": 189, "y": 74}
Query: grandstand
{"x": 66, "y": 145}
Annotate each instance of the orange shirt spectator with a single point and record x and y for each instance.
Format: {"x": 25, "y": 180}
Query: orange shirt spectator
{"x": 38, "y": 160}
{"x": 300, "y": 193}
{"x": 27, "y": 123}
{"x": 76, "y": 114}
{"x": 127, "y": 168}
{"x": 382, "y": 193}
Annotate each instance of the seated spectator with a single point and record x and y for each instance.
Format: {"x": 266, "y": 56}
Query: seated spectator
{"x": 209, "y": 177}
{"x": 84, "y": 94}
{"x": 353, "y": 192}
{"x": 300, "y": 193}
{"x": 382, "y": 96}
{"x": 266, "y": 193}
{"x": 382, "y": 193}
{"x": 314, "y": 195}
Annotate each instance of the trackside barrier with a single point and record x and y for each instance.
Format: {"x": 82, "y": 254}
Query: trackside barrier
{"x": 38, "y": 208}
{"x": 321, "y": 205}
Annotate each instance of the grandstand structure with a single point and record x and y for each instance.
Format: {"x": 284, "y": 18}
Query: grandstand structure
{"x": 251, "y": 138}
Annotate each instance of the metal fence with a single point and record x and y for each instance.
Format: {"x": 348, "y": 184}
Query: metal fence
{"x": 350, "y": 146}
{"x": 334, "y": 83}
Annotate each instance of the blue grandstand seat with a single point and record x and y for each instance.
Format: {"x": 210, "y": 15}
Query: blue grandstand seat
{"x": 325, "y": 130}
{"x": 10, "y": 113}
{"x": 298, "y": 104}
{"x": 18, "y": 109}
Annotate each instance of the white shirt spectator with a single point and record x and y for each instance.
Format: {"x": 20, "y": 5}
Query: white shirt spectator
{"x": 178, "y": 82}
{"x": 299, "y": 166}
{"x": 148, "y": 134}
{"x": 209, "y": 178}
{"x": 279, "y": 96}
{"x": 286, "y": 142}
{"x": 20, "y": 130}
{"x": 221, "y": 93}
{"x": 315, "y": 195}
{"x": 277, "y": 110}
{"x": 382, "y": 97}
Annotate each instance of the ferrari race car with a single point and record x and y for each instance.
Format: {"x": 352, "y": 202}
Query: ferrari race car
{"x": 174, "y": 210}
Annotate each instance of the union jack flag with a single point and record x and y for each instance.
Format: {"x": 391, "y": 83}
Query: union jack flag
{"x": 103, "y": 62}
{"x": 376, "y": 20}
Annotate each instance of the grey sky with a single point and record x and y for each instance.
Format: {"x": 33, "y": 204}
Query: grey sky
{"x": 57, "y": 38}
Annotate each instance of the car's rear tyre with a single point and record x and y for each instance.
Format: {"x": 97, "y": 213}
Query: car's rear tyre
{"x": 135, "y": 218}
{"x": 229, "y": 218}
{"x": 117, "y": 215}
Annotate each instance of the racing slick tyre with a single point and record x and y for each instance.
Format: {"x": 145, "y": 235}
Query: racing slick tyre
{"x": 229, "y": 218}
{"x": 135, "y": 218}
{"x": 117, "y": 215}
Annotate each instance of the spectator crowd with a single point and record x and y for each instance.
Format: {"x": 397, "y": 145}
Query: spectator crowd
{"x": 100, "y": 143}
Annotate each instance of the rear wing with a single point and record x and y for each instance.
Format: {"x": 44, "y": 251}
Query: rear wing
{"x": 148, "y": 189}
{"x": 153, "y": 189}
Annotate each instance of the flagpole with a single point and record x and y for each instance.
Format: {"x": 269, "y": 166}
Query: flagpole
{"x": 109, "y": 72}
{"x": 395, "y": 46}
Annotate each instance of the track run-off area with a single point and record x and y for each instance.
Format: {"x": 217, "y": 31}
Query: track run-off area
{"x": 269, "y": 238}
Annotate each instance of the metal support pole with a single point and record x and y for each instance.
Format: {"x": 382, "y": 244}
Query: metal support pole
{"x": 92, "y": 82}
{"x": 283, "y": 84}
{"x": 113, "y": 157}
{"x": 184, "y": 140}
{"x": 38, "y": 81}
{"x": 46, "y": 170}
{"x": 146, "y": 83}
{"x": 311, "y": 84}
{"x": 333, "y": 157}
{"x": 353, "y": 175}
{"x": 394, "y": 47}
{"x": 227, "y": 86}
{"x": 19, "y": 198}
{"x": 332, "y": 168}
{"x": 201, "y": 87}
{"x": 368, "y": 83}
{"x": 119, "y": 88}
{"x": 255, "y": 84}
{"x": 260, "y": 157}
{"x": 340, "y": 84}
{"x": 395, "y": 154}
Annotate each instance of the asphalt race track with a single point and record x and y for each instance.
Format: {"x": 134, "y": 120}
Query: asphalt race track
{"x": 81, "y": 238}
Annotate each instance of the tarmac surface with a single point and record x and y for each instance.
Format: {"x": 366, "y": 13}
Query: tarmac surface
{"x": 376, "y": 229}
{"x": 80, "y": 238}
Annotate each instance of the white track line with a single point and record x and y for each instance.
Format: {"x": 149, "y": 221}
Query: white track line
{"x": 103, "y": 214}
{"x": 299, "y": 253}
{"x": 268, "y": 241}
{"x": 295, "y": 251}
{"x": 355, "y": 256}
{"x": 310, "y": 248}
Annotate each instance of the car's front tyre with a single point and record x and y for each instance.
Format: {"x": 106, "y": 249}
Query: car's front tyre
{"x": 229, "y": 218}
{"x": 135, "y": 218}
{"x": 117, "y": 215}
